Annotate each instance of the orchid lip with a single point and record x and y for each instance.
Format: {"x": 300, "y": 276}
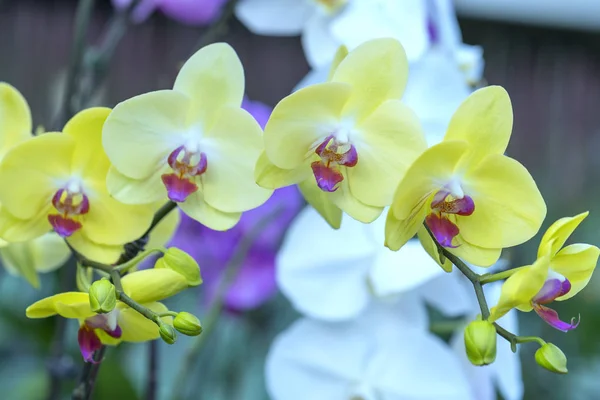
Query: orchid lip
{"x": 70, "y": 202}
{"x": 443, "y": 229}
{"x": 552, "y": 289}
{"x": 333, "y": 154}
{"x": 551, "y": 317}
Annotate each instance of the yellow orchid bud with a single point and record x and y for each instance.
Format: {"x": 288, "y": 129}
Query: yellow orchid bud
{"x": 187, "y": 324}
{"x": 103, "y": 296}
{"x": 552, "y": 358}
{"x": 167, "y": 333}
{"x": 182, "y": 263}
{"x": 480, "y": 342}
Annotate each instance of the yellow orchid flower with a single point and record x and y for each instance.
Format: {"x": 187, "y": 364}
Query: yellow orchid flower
{"x": 558, "y": 274}
{"x": 58, "y": 181}
{"x": 40, "y": 255}
{"x": 193, "y": 143}
{"x": 474, "y": 199}
{"x": 146, "y": 287}
{"x": 349, "y": 141}
{"x": 47, "y": 252}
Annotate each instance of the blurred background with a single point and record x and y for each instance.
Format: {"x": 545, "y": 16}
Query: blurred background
{"x": 546, "y": 55}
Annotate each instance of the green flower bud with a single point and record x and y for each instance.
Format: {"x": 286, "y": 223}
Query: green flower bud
{"x": 187, "y": 324}
{"x": 552, "y": 358}
{"x": 103, "y": 296}
{"x": 167, "y": 333}
{"x": 480, "y": 342}
{"x": 182, "y": 263}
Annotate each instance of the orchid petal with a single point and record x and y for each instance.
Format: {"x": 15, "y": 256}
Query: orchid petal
{"x": 577, "y": 263}
{"x": 88, "y": 343}
{"x": 558, "y": 233}
{"x": 484, "y": 120}
{"x": 152, "y": 285}
{"x": 213, "y": 78}
{"x": 68, "y": 305}
{"x": 15, "y": 117}
{"x": 389, "y": 140}
{"x": 318, "y": 42}
{"x": 321, "y": 202}
{"x": 377, "y": 71}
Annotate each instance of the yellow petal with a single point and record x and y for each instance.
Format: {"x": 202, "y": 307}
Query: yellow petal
{"x": 13, "y": 229}
{"x": 321, "y": 202}
{"x": 15, "y": 118}
{"x": 151, "y": 285}
{"x": 577, "y": 263}
{"x": 377, "y": 71}
{"x": 137, "y": 328}
{"x": 141, "y": 132}
{"x": 212, "y": 78}
{"x": 68, "y": 305}
{"x": 137, "y": 191}
{"x": 236, "y": 143}
{"x": 163, "y": 232}
{"x": 398, "y": 232}
{"x": 431, "y": 249}
{"x": 30, "y": 171}
{"x": 103, "y": 253}
{"x": 302, "y": 118}
{"x": 388, "y": 142}
{"x": 43, "y": 254}
{"x": 427, "y": 174}
{"x": 110, "y": 222}
{"x": 345, "y": 200}
{"x": 340, "y": 55}
{"x": 509, "y": 208}
{"x": 195, "y": 207}
{"x": 520, "y": 288}
{"x": 484, "y": 120}
{"x": 269, "y": 176}
{"x": 89, "y": 159}
{"x": 558, "y": 233}
{"x": 480, "y": 256}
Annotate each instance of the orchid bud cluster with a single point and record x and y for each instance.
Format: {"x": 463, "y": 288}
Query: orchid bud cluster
{"x": 350, "y": 144}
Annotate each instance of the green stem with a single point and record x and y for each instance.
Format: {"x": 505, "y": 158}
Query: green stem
{"x": 146, "y": 312}
{"x": 168, "y": 314}
{"x": 160, "y": 214}
{"x": 488, "y": 278}
{"x": 210, "y": 321}
{"x": 134, "y": 261}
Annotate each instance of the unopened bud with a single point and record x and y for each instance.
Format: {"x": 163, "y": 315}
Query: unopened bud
{"x": 103, "y": 296}
{"x": 480, "y": 342}
{"x": 182, "y": 263}
{"x": 167, "y": 333}
{"x": 552, "y": 358}
{"x": 187, "y": 324}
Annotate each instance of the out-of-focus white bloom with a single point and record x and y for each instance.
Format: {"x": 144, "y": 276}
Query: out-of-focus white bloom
{"x": 340, "y": 276}
{"x": 334, "y": 274}
{"x": 327, "y": 24}
{"x": 381, "y": 355}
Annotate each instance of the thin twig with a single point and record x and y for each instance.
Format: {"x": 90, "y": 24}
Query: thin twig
{"x": 231, "y": 270}
{"x": 82, "y": 20}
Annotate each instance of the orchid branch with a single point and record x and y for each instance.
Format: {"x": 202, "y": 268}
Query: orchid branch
{"x": 478, "y": 282}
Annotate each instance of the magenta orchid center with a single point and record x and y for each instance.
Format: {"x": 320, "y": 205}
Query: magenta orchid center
{"x": 333, "y": 154}
{"x": 89, "y": 341}
{"x": 70, "y": 203}
{"x": 445, "y": 206}
{"x": 187, "y": 163}
{"x": 555, "y": 286}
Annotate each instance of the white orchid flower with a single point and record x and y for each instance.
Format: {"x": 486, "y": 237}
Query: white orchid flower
{"x": 384, "y": 354}
{"x": 327, "y": 24}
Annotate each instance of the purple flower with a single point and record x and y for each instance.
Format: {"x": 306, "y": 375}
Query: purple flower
{"x": 190, "y": 12}
{"x": 255, "y": 282}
